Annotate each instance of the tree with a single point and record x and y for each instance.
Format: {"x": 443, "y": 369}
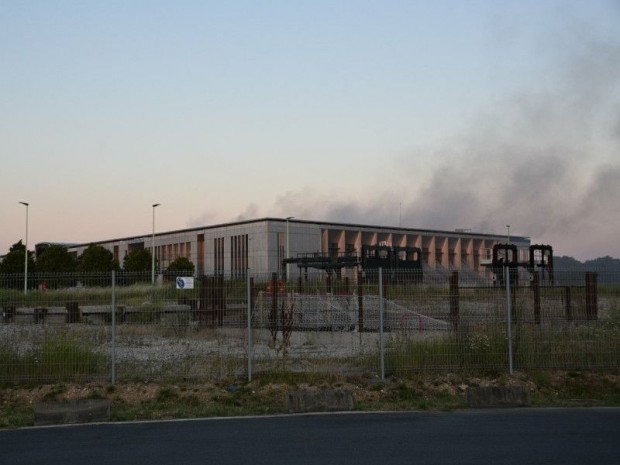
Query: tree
{"x": 97, "y": 258}
{"x": 138, "y": 260}
{"x": 181, "y": 265}
{"x": 13, "y": 262}
{"x": 56, "y": 259}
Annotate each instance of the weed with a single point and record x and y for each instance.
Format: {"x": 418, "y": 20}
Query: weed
{"x": 406, "y": 393}
{"x": 166, "y": 394}
{"x": 16, "y": 416}
{"x": 377, "y": 386}
{"x": 54, "y": 392}
{"x": 95, "y": 395}
{"x": 541, "y": 378}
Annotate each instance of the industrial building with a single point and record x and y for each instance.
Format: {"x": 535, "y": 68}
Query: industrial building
{"x": 261, "y": 245}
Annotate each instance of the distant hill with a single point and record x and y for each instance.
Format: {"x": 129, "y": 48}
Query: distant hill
{"x": 608, "y": 267}
{"x": 607, "y": 264}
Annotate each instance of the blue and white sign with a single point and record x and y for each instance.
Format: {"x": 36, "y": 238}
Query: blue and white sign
{"x": 185, "y": 283}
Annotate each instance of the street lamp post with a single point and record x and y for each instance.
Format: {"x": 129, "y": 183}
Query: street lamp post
{"x": 153, "y": 246}
{"x": 288, "y": 249}
{"x": 508, "y": 232}
{"x": 26, "y": 204}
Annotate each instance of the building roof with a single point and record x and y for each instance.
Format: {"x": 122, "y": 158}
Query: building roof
{"x": 324, "y": 224}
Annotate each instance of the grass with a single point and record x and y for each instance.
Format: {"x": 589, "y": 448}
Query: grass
{"x": 57, "y": 358}
{"x": 594, "y": 345}
{"x": 577, "y": 388}
{"x": 97, "y": 294}
{"x": 267, "y": 394}
{"x": 423, "y": 372}
{"x": 405, "y": 396}
{"x": 609, "y": 290}
{"x": 174, "y": 401}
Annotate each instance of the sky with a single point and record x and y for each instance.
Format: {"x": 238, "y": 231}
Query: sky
{"x": 425, "y": 114}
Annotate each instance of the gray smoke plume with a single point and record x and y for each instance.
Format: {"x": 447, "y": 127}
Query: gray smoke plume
{"x": 546, "y": 161}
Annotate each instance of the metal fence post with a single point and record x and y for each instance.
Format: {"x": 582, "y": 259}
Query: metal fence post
{"x": 508, "y": 316}
{"x": 454, "y": 300}
{"x": 381, "y": 347}
{"x": 113, "y": 328}
{"x": 591, "y": 296}
{"x": 273, "y": 314}
{"x": 567, "y": 303}
{"x": 249, "y": 316}
{"x": 536, "y": 289}
{"x": 360, "y": 304}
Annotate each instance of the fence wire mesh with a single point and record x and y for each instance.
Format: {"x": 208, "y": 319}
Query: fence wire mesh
{"x": 122, "y": 327}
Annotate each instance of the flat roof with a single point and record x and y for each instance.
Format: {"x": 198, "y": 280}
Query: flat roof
{"x": 325, "y": 224}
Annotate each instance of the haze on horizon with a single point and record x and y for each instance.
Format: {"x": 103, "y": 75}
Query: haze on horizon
{"x": 434, "y": 115}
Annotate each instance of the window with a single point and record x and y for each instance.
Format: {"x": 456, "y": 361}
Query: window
{"x": 218, "y": 254}
{"x": 239, "y": 255}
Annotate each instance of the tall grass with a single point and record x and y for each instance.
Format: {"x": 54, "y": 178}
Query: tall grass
{"x": 464, "y": 349}
{"x": 134, "y": 294}
{"x": 56, "y": 359}
{"x": 585, "y": 346}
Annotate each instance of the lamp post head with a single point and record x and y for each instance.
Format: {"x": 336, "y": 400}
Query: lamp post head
{"x": 24, "y": 203}
{"x": 156, "y": 205}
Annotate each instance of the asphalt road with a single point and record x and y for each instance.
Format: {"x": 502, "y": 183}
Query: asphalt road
{"x": 524, "y": 436}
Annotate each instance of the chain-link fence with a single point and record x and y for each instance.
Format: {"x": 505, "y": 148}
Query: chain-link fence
{"x": 120, "y": 326}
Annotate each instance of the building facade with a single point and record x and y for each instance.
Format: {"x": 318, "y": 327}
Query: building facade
{"x": 261, "y": 245}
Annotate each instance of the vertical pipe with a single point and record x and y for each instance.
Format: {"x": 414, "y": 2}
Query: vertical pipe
{"x": 382, "y": 349}
{"x": 113, "y": 328}
{"x": 508, "y": 316}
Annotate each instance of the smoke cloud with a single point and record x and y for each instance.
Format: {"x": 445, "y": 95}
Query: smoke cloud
{"x": 545, "y": 160}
